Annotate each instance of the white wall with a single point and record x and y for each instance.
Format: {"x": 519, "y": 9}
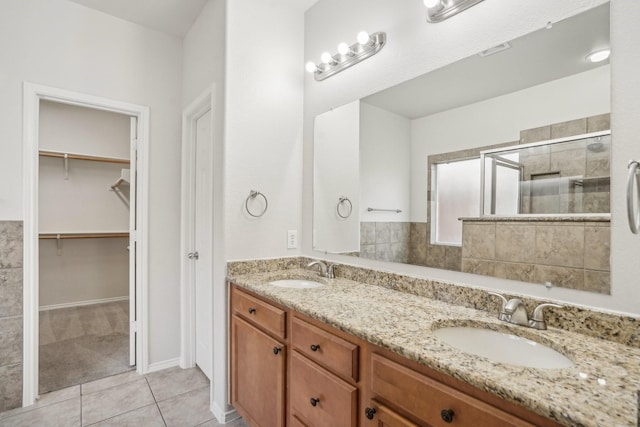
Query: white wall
{"x": 487, "y": 24}
{"x": 204, "y": 66}
{"x": 336, "y": 156}
{"x": 501, "y": 119}
{"x": 62, "y": 44}
{"x": 385, "y": 159}
{"x": 263, "y": 132}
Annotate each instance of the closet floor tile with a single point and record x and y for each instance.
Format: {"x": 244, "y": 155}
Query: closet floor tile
{"x": 147, "y": 416}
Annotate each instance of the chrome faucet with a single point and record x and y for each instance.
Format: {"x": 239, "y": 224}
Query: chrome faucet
{"x": 326, "y": 270}
{"x": 514, "y": 311}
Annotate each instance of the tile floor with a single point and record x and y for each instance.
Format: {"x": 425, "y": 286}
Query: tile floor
{"x": 172, "y": 397}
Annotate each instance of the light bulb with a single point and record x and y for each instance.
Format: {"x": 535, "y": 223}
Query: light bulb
{"x": 431, "y": 3}
{"x": 326, "y": 58}
{"x": 363, "y": 37}
{"x": 599, "y": 55}
{"x": 311, "y": 67}
{"x": 343, "y": 49}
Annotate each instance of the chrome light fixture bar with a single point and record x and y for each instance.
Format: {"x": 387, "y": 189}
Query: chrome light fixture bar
{"x": 439, "y": 10}
{"x": 347, "y": 56}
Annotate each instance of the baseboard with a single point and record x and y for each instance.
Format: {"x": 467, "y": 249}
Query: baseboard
{"x": 165, "y": 364}
{"x": 224, "y": 416}
{"x": 82, "y": 303}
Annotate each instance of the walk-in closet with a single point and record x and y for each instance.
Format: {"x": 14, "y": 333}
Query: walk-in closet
{"x": 86, "y": 265}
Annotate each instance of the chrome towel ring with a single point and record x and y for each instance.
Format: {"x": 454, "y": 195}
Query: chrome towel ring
{"x": 633, "y": 214}
{"x": 252, "y": 195}
{"x": 344, "y": 200}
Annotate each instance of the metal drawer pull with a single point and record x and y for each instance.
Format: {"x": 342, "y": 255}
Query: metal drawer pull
{"x": 369, "y": 413}
{"x": 315, "y": 347}
{"x": 276, "y": 350}
{"x": 314, "y": 401}
{"x": 447, "y": 415}
{"x": 252, "y": 310}
{"x": 632, "y": 214}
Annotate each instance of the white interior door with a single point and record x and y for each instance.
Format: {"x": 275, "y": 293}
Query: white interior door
{"x": 132, "y": 241}
{"x": 203, "y": 242}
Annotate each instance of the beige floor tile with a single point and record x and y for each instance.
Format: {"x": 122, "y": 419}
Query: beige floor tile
{"x": 187, "y": 410}
{"x": 235, "y": 423}
{"x": 174, "y": 381}
{"x": 45, "y": 400}
{"x": 61, "y": 414}
{"x": 108, "y": 382}
{"x": 147, "y": 416}
{"x": 114, "y": 401}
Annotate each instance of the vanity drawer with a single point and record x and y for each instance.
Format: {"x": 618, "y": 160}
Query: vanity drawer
{"x": 426, "y": 398}
{"x": 258, "y": 312}
{"x": 337, "y": 400}
{"x": 335, "y": 353}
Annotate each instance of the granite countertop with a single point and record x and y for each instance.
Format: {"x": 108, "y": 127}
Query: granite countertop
{"x": 601, "y": 389}
{"x": 540, "y": 218}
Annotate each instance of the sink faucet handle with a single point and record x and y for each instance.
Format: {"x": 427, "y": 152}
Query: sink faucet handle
{"x": 502, "y": 313}
{"x": 537, "y": 320}
{"x": 331, "y": 271}
{"x": 322, "y": 265}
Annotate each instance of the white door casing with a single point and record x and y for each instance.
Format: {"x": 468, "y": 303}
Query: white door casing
{"x": 32, "y": 95}
{"x": 133, "y": 247}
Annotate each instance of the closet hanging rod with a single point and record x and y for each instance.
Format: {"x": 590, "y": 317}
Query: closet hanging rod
{"x": 55, "y": 236}
{"x": 76, "y": 156}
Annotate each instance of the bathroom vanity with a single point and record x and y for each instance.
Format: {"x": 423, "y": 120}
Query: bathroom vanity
{"x": 352, "y": 354}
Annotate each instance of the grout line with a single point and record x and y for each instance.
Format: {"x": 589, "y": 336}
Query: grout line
{"x": 183, "y": 393}
{"x": 156, "y": 401}
{"x": 110, "y": 418}
{"x": 110, "y": 387}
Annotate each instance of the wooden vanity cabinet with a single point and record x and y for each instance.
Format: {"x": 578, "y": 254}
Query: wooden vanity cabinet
{"x": 290, "y": 370}
{"x": 258, "y": 361}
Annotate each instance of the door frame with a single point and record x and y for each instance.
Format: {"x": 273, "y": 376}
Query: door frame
{"x": 32, "y": 95}
{"x": 190, "y": 116}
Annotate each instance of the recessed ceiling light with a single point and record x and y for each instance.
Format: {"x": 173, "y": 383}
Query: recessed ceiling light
{"x": 599, "y": 55}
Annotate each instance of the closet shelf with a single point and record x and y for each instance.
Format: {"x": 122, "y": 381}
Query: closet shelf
{"x": 76, "y": 156}
{"x": 89, "y": 235}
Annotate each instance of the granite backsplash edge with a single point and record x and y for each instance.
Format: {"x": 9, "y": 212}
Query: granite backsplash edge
{"x": 619, "y": 328}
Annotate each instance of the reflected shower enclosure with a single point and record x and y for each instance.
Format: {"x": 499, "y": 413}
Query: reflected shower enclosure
{"x": 559, "y": 177}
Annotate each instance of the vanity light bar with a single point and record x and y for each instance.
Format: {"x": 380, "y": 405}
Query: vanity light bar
{"x": 366, "y": 46}
{"x": 439, "y": 10}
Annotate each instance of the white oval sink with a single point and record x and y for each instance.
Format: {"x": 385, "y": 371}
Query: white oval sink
{"x": 502, "y": 347}
{"x": 296, "y": 283}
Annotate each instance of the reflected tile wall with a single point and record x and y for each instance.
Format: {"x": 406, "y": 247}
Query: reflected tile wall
{"x": 10, "y": 314}
{"x": 570, "y": 254}
{"x": 385, "y": 241}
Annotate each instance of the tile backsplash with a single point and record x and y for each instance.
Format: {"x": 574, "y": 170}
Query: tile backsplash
{"x": 11, "y": 236}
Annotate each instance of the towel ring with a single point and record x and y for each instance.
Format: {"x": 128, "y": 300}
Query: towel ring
{"x": 632, "y": 214}
{"x": 252, "y": 195}
{"x": 341, "y": 200}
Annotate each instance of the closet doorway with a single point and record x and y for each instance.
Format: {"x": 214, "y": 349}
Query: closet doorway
{"x": 85, "y": 251}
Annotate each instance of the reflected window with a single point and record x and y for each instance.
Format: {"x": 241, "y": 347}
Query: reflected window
{"x": 456, "y": 189}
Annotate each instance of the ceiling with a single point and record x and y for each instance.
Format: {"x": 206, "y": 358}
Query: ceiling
{"x": 173, "y": 17}
{"x": 539, "y": 57}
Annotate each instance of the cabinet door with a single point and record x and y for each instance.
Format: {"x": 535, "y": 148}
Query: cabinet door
{"x": 257, "y": 375}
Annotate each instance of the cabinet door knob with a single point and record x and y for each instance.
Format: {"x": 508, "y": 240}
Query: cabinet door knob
{"x": 276, "y": 350}
{"x": 447, "y": 415}
{"x": 252, "y": 310}
{"x": 315, "y": 347}
{"x": 369, "y": 413}
{"x": 314, "y": 401}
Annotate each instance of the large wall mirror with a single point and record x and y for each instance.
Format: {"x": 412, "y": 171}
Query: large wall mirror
{"x": 497, "y": 164}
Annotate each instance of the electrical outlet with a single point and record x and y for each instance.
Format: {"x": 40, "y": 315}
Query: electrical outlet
{"x": 292, "y": 239}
